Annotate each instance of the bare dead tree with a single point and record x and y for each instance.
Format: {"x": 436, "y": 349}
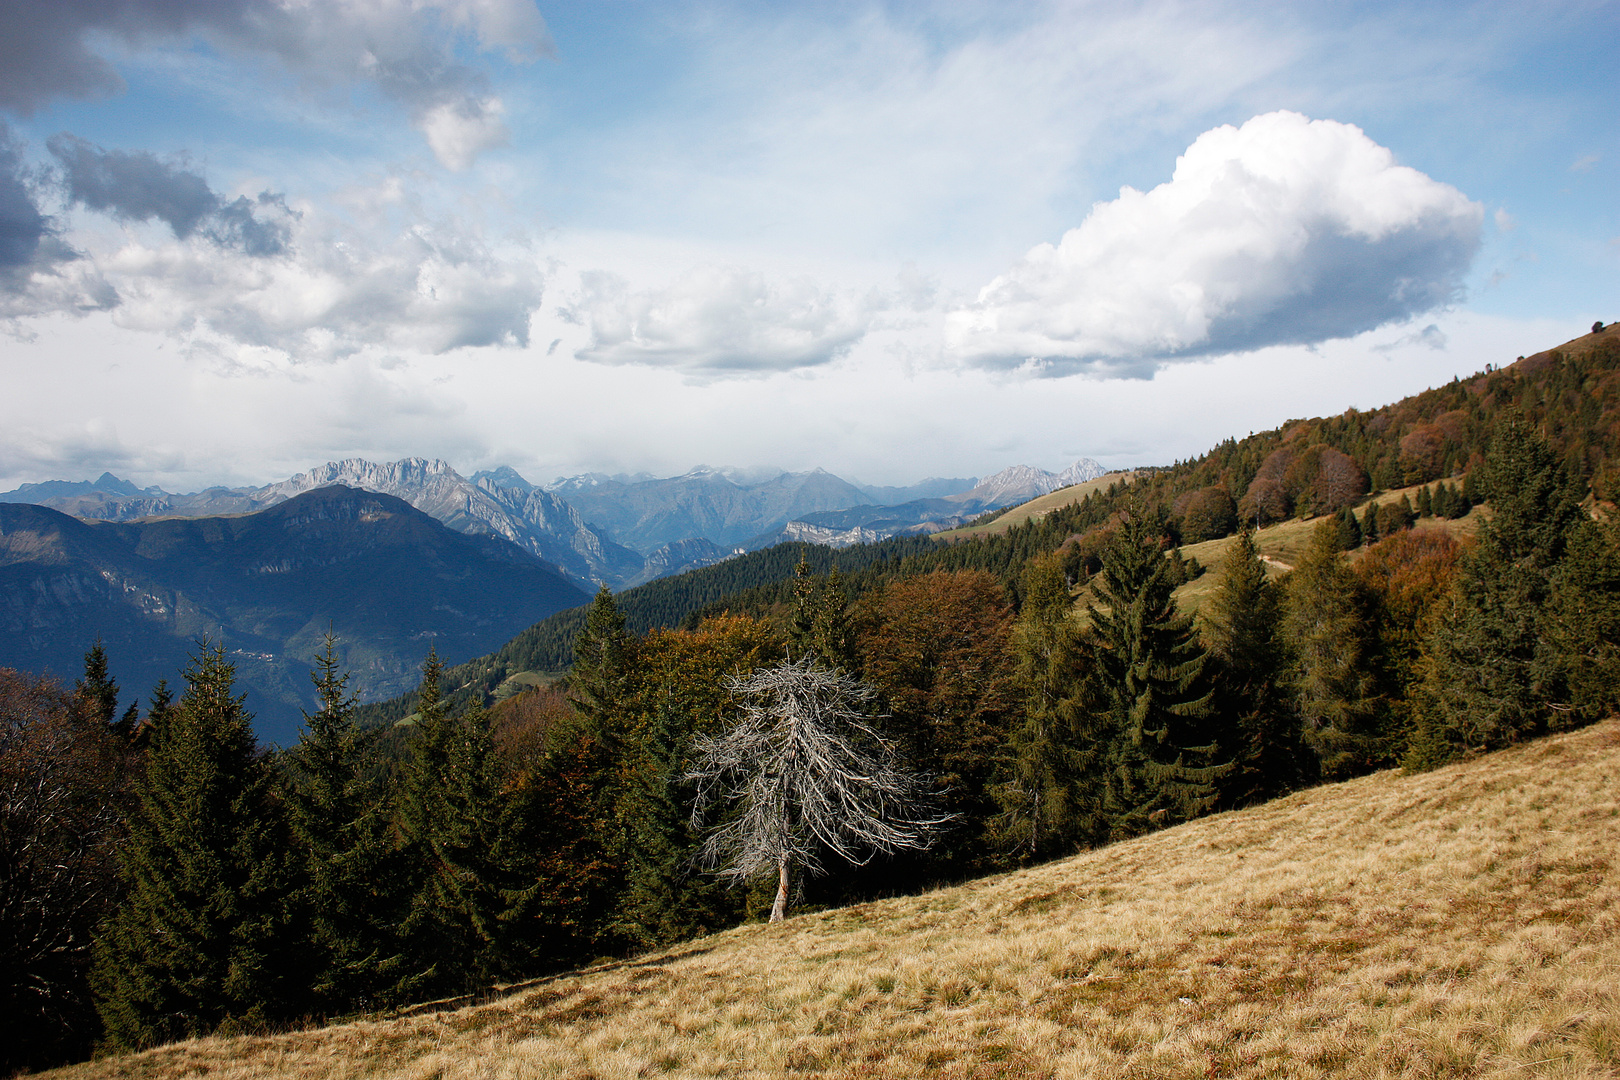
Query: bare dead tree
{"x": 806, "y": 774}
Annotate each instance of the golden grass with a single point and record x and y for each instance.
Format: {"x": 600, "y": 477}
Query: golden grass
{"x": 1461, "y": 923}
{"x": 1037, "y": 508}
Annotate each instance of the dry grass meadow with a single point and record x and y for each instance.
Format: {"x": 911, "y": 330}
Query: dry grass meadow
{"x": 1462, "y": 923}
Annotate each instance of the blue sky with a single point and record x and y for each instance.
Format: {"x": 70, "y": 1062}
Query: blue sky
{"x": 239, "y": 238}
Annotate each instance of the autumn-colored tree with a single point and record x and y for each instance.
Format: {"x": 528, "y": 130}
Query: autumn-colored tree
{"x": 935, "y": 647}
{"x": 1207, "y": 514}
{"x": 1407, "y": 578}
{"x": 683, "y": 680}
{"x": 64, "y": 787}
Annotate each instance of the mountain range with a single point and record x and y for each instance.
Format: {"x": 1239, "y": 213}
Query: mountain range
{"x": 615, "y": 530}
{"x": 387, "y": 579}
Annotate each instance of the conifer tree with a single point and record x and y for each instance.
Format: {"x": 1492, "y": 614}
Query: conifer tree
{"x": 599, "y": 684}
{"x": 1369, "y": 524}
{"x": 202, "y": 943}
{"x": 1161, "y": 758}
{"x": 1044, "y": 808}
{"x": 98, "y": 690}
{"x": 1243, "y": 630}
{"x": 351, "y": 881}
{"x": 1328, "y": 630}
{"x": 466, "y": 923}
{"x": 1494, "y": 676}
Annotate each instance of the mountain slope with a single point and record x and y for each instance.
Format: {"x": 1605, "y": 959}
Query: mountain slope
{"x": 644, "y": 514}
{"x": 1464, "y": 922}
{"x": 387, "y": 578}
{"x": 538, "y": 522}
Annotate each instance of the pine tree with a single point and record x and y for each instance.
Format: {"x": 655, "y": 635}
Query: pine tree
{"x": 1328, "y": 630}
{"x": 1243, "y": 630}
{"x": 1161, "y": 757}
{"x": 1369, "y": 524}
{"x": 1044, "y": 808}
{"x": 352, "y": 883}
{"x": 1582, "y": 627}
{"x": 465, "y": 924}
{"x": 1494, "y": 676}
{"x": 98, "y": 690}
{"x": 599, "y": 684}
{"x": 202, "y": 943}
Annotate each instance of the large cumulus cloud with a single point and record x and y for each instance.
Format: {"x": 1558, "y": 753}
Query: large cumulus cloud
{"x": 718, "y": 322}
{"x": 404, "y": 47}
{"x": 1283, "y": 231}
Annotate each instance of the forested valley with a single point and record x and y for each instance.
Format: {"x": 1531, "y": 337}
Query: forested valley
{"x": 164, "y": 877}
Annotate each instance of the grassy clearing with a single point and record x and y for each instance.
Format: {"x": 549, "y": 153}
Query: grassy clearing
{"x": 1037, "y": 508}
{"x": 1461, "y": 923}
{"x": 1281, "y": 544}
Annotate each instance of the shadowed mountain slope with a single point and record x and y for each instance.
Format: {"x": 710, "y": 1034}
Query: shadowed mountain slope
{"x": 388, "y": 579}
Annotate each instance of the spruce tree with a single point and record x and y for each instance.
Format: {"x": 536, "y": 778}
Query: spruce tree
{"x": 1328, "y": 630}
{"x": 202, "y": 942}
{"x": 1495, "y": 675}
{"x": 98, "y": 690}
{"x": 1045, "y": 810}
{"x": 464, "y": 926}
{"x": 1243, "y": 629}
{"x": 1161, "y": 758}
{"x": 351, "y": 878}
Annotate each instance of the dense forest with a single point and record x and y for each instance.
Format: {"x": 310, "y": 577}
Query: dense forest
{"x": 164, "y": 877}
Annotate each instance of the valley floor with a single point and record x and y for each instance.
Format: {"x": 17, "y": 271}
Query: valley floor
{"x": 1464, "y": 922}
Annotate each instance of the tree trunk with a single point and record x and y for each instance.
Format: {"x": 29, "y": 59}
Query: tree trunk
{"x": 779, "y": 909}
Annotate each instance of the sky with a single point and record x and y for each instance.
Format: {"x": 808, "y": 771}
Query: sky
{"x": 241, "y": 238}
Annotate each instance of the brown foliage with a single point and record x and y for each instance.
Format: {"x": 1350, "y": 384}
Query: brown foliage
{"x": 936, "y": 648}
{"x": 63, "y": 788}
{"x": 1423, "y": 454}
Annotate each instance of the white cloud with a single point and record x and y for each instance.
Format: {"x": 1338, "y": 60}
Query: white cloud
{"x": 1283, "y": 231}
{"x": 719, "y": 322}
{"x": 458, "y": 132}
{"x": 429, "y": 290}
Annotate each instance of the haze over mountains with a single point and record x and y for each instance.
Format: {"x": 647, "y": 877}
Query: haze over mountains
{"x": 598, "y": 529}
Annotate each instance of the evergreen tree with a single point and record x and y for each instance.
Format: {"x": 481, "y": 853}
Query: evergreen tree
{"x": 1328, "y": 629}
{"x": 1161, "y": 758}
{"x": 1044, "y": 808}
{"x": 1494, "y": 675}
{"x": 1369, "y": 524}
{"x": 202, "y": 943}
{"x": 1425, "y": 502}
{"x": 1582, "y": 627}
{"x": 599, "y": 684}
{"x": 98, "y": 690}
{"x": 352, "y": 883}
{"x": 1243, "y": 630}
{"x": 466, "y": 924}
{"x": 834, "y": 635}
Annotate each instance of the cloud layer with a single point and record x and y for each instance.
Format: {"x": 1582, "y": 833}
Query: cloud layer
{"x": 1282, "y": 231}
{"x": 718, "y": 322}
{"x": 406, "y": 48}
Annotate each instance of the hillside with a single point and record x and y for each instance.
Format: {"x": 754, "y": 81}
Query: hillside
{"x": 1464, "y": 922}
{"x": 388, "y": 579}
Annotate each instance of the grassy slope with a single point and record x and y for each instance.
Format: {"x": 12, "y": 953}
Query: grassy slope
{"x": 1281, "y": 544}
{"x": 1464, "y": 922}
{"x": 1035, "y": 508}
